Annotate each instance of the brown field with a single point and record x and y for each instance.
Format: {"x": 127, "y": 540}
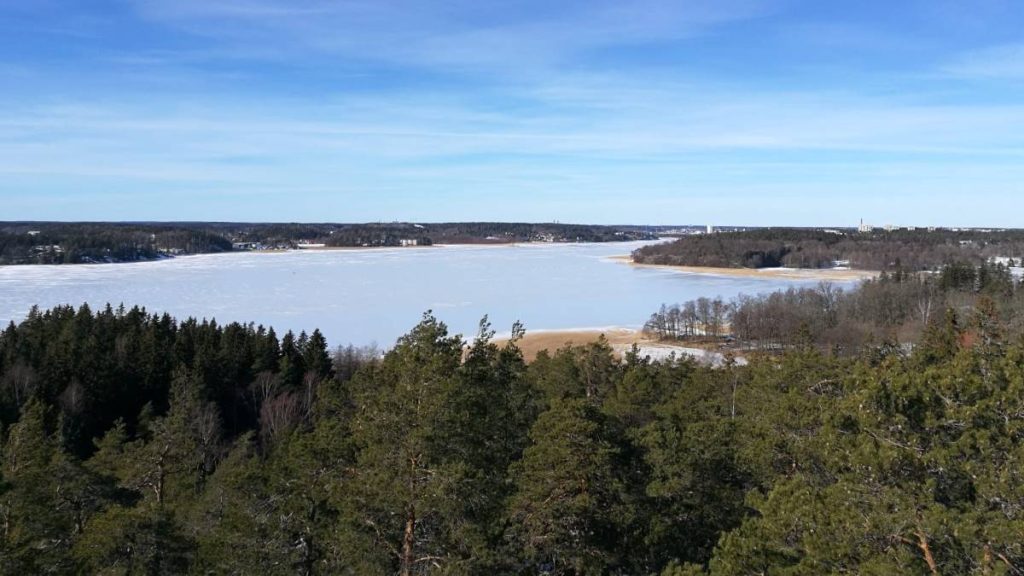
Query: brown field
{"x": 534, "y": 342}
{"x": 620, "y": 339}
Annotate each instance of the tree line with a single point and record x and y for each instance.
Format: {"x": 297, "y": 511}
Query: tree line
{"x": 392, "y": 234}
{"x": 908, "y": 250}
{"x": 77, "y": 243}
{"x": 893, "y": 309}
{"x": 59, "y": 243}
{"x": 137, "y": 444}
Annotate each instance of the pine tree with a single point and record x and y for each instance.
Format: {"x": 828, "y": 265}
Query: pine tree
{"x": 484, "y": 419}
{"x": 178, "y": 451}
{"x": 125, "y": 540}
{"x": 576, "y": 372}
{"x": 401, "y": 490}
{"x": 567, "y": 496}
{"x": 166, "y": 468}
{"x": 267, "y": 515}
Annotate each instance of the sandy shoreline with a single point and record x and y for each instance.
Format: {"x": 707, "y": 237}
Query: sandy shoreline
{"x": 620, "y": 339}
{"x": 786, "y": 273}
{"x": 534, "y": 342}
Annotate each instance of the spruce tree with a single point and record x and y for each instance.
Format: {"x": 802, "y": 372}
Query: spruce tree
{"x": 36, "y": 532}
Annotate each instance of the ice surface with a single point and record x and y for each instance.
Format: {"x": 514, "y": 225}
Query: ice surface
{"x": 364, "y": 296}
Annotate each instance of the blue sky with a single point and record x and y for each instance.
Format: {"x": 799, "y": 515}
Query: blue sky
{"x": 756, "y": 112}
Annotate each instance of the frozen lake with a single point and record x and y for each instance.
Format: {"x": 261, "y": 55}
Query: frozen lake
{"x": 364, "y": 296}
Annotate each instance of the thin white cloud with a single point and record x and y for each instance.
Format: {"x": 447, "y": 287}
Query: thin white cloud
{"x": 459, "y": 34}
{"x": 997, "y": 62}
{"x": 632, "y": 128}
{"x": 532, "y": 116}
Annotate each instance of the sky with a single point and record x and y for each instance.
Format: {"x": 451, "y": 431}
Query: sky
{"x": 745, "y": 112}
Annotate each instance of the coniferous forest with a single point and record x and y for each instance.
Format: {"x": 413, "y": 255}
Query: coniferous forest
{"x": 139, "y": 444}
{"x": 755, "y": 270}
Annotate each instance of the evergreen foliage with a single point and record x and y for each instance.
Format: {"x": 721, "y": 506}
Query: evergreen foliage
{"x": 138, "y": 444}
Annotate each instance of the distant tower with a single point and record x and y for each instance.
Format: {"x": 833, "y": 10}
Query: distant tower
{"x": 711, "y": 229}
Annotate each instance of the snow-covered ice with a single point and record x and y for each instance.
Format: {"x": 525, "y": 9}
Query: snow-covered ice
{"x": 364, "y": 296}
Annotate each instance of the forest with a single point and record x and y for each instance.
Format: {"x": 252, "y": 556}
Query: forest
{"x": 99, "y": 242}
{"x": 907, "y": 250}
{"x": 481, "y": 233}
{"x": 891, "y": 310}
{"x": 135, "y": 443}
{"x": 52, "y": 243}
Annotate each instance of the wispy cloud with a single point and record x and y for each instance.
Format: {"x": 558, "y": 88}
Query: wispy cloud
{"x": 229, "y": 141}
{"x": 460, "y": 34}
{"x": 997, "y": 62}
{"x": 534, "y": 102}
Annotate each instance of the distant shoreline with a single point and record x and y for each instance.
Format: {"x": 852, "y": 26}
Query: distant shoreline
{"x": 110, "y": 242}
{"x": 767, "y": 273}
{"x": 166, "y": 256}
{"x": 513, "y": 244}
{"x": 420, "y": 247}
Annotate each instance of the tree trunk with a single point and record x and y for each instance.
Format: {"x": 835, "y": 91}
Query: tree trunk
{"x": 409, "y": 536}
{"x": 158, "y": 486}
{"x": 408, "y": 553}
{"x": 922, "y": 543}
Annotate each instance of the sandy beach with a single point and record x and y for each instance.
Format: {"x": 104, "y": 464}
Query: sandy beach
{"x": 786, "y": 273}
{"x": 620, "y": 339}
{"x": 534, "y": 342}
